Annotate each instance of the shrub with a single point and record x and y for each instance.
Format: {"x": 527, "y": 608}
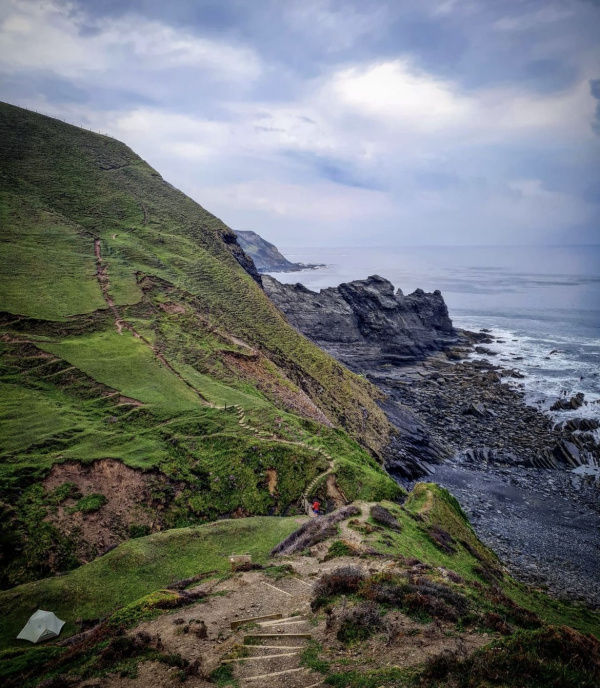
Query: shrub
{"x": 136, "y": 531}
{"x": 442, "y": 539}
{"x": 339, "y": 548}
{"x": 314, "y": 531}
{"x": 381, "y": 515}
{"x": 417, "y": 596}
{"x": 340, "y": 581}
{"x": 89, "y": 503}
{"x": 358, "y": 623}
{"x": 60, "y": 681}
{"x": 552, "y": 657}
{"x": 123, "y": 647}
{"x": 497, "y": 623}
{"x": 490, "y": 574}
{"x": 524, "y": 618}
{"x": 62, "y": 492}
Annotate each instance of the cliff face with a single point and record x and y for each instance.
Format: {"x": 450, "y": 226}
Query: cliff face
{"x": 365, "y": 324}
{"x": 265, "y": 255}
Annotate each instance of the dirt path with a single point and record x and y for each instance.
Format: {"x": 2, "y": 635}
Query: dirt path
{"x": 243, "y": 632}
{"x": 333, "y": 490}
{"x": 103, "y": 280}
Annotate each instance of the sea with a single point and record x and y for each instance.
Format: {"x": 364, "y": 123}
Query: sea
{"x": 542, "y": 304}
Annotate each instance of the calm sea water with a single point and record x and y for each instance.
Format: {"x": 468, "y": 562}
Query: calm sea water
{"x": 544, "y": 303}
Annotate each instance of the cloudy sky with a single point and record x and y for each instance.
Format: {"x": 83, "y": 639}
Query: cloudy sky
{"x": 337, "y": 122}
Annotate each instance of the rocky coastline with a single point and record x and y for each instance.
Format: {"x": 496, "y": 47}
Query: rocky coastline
{"x": 366, "y": 324}
{"x": 511, "y": 468}
{"x": 465, "y": 424}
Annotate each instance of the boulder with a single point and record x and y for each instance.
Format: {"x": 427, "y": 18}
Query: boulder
{"x": 564, "y": 404}
{"x": 475, "y": 409}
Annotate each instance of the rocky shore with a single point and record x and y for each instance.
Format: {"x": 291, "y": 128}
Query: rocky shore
{"x": 543, "y": 524}
{"x": 477, "y": 410}
{"x": 464, "y": 423}
{"x": 510, "y": 466}
{"x": 367, "y": 324}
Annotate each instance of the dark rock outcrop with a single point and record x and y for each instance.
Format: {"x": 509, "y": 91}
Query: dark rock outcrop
{"x": 413, "y": 451}
{"x": 365, "y": 324}
{"x": 245, "y": 260}
{"x": 568, "y": 404}
{"x": 266, "y": 256}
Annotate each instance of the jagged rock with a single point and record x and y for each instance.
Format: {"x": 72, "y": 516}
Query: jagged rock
{"x": 230, "y": 240}
{"x": 567, "y": 453}
{"x": 411, "y": 453}
{"x": 364, "y": 323}
{"x": 456, "y": 353}
{"x": 485, "y": 350}
{"x": 568, "y": 404}
{"x": 475, "y": 409}
{"x": 512, "y": 373}
{"x": 583, "y": 424}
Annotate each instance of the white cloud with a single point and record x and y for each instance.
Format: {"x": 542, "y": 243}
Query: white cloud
{"x": 401, "y": 97}
{"x": 396, "y": 92}
{"x": 46, "y": 36}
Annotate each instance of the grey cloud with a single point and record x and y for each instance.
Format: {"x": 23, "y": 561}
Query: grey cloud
{"x": 275, "y": 151}
{"x": 595, "y": 91}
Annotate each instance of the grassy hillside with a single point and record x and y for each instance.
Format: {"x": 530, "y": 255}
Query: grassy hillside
{"x": 139, "y": 567}
{"x": 129, "y": 331}
{"x": 428, "y": 582}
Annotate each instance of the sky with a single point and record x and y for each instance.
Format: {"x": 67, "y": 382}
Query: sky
{"x": 337, "y": 122}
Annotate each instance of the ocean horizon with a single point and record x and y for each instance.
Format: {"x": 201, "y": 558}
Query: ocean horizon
{"x": 541, "y": 303}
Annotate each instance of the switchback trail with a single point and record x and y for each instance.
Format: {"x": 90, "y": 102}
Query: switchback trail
{"x": 120, "y": 323}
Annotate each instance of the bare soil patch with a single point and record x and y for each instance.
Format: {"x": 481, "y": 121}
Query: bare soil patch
{"x": 128, "y": 502}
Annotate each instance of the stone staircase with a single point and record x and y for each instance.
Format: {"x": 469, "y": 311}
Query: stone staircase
{"x": 273, "y": 651}
{"x": 272, "y": 645}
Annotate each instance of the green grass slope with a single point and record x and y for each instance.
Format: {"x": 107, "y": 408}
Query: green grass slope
{"x": 139, "y": 567}
{"x": 129, "y": 331}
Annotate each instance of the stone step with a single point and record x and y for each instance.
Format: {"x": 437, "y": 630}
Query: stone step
{"x": 290, "y": 586}
{"x": 266, "y": 665}
{"x": 271, "y": 675}
{"x": 282, "y": 642}
{"x": 279, "y": 621}
{"x": 250, "y": 619}
{"x": 260, "y": 657}
{"x": 304, "y": 636}
{"x": 282, "y": 628}
{"x": 280, "y": 590}
{"x": 269, "y": 648}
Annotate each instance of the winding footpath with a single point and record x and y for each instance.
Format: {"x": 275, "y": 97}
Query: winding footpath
{"x": 104, "y": 283}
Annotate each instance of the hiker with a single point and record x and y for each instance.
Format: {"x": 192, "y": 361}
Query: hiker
{"x": 316, "y": 506}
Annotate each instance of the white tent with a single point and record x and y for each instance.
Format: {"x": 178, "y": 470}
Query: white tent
{"x": 41, "y": 626}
